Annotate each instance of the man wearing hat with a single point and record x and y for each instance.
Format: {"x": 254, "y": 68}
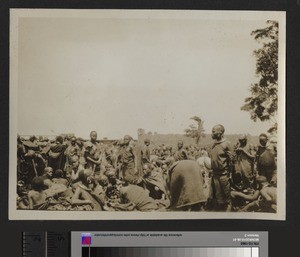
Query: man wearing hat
{"x": 221, "y": 155}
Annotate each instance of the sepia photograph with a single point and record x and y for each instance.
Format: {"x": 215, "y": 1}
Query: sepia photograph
{"x": 147, "y": 114}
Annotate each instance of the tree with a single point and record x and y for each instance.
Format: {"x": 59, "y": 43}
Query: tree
{"x": 263, "y": 102}
{"x": 195, "y": 131}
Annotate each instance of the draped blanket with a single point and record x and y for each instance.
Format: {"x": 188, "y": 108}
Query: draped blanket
{"x": 185, "y": 184}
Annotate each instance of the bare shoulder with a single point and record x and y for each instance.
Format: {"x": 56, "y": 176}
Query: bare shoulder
{"x": 32, "y": 193}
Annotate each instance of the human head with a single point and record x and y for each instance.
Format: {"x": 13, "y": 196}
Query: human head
{"x": 147, "y": 142}
{"x": 112, "y": 177}
{"x": 261, "y": 180}
{"x": 83, "y": 176}
{"x": 180, "y": 144}
{"x": 263, "y": 139}
{"x": 75, "y": 165}
{"x": 79, "y": 143}
{"x": 32, "y": 138}
{"x": 273, "y": 181}
{"x": 48, "y": 171}
{"x": 93, "y": 136}
{"x": 218, "y": 132}
{"x": 127, "y": 139}
{"x": 147, "y": 168}
{"x": 59, "y": 173}
{"x": 21, "y": 188}
{"x": 91, "y": 182}
{"x": 272, "y": 144}
{"x": 103, "y": 180}
{"x": 59, "y": 139}
{"x": 30, "y": 154}
{"x": 243, "y": 140}
{"x": 73, "y": 140}
{"x": 37, "y": 183}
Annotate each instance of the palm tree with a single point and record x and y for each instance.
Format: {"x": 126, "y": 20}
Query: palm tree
{"x": 196, "y": 131}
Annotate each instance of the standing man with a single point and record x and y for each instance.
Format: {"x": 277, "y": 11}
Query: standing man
{"x": 146, "y": 152}
{"x": 181, "y": 153}
{"x": 72, "y": 150}
{"x": 261, "y": 148}
{"x": 93, "y": 155}
{"x": 221, "y": 155}
{"x": 245, "y": 162}
{"x": 57, "y": 158}
{"x": 266, "y": 159}
{"x": 128, "y": 161}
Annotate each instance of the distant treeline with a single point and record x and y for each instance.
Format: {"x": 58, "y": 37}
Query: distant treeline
{"x": 207, "y": 141}
{"x": 172, "y": 139}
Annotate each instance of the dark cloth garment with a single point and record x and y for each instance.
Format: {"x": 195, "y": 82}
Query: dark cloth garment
{"x": 30, "y": 168}
{"x": 185, "y": 184}
{"x": 180, "y": 155}
{"x": 45, "y": 153}
{"x": 266, "y": 164}
{"x": 221, "y": 154}
{"x": 42, "y": 145}
{"x": 259, "y": 152}
{"x": 56, "y": 158}
{"x": 245, "y": 166}
{"x": 20, "y": 150}
{"x": 127, "y": 155}
{"x": 145, "y": 155}
{"x": 138, "y": 196}
{"x": 221, "y": 187}
{"x": 130, "y": 173}
{"x": 70, "y": 152}
{"x": 31, "y": 146}
{"x": 155, "y": 179}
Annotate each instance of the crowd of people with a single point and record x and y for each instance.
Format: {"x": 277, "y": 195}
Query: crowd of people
{"x": 70, "y": 173}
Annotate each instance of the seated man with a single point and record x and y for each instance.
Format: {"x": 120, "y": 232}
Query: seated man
{"x": 37, "y": 197}
{"x": 59, "y": 178}
{"x": 267, "y": 198}
{"x": 47, "y": 177}
{"x": 84, "y": 191}
{"x": 154, "y": 182}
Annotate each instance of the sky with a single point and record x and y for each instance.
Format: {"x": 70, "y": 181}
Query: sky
{"x": 114, "y": 75}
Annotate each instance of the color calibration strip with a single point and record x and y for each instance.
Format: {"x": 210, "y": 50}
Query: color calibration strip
{"x": 170, "y": 252}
